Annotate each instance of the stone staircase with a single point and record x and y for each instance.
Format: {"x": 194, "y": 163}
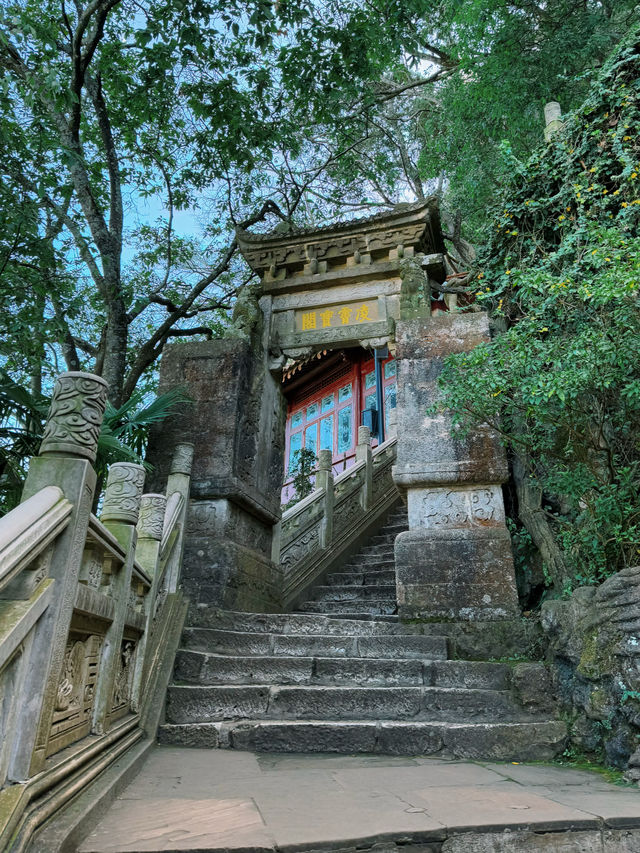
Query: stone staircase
{"x": 353, "y": 681}
{"x": 366, "y": 586}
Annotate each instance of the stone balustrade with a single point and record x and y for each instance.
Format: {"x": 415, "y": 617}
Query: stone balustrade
{"x": 329, "y": 523}
{"x": 84, "y": 605}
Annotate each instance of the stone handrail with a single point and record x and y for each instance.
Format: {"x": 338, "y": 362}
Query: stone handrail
{"x": 85, "y": 603}
{"x": 324, "y": 526}
{"x": 175, "y": 503}
{"x": 27, "y": 530}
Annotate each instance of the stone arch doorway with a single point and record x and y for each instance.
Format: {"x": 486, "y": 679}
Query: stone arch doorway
{"x": 362, "y": 285}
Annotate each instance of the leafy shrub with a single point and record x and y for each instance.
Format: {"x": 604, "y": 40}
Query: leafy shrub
{"x": 561, "y": 277}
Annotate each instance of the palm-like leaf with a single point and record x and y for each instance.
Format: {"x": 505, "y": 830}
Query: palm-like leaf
{"x": 123, "y": 437}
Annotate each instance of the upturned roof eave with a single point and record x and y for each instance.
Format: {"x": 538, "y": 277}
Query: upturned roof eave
{"x": 408, "y": 212}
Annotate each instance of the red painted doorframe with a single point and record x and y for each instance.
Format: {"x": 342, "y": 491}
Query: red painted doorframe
{"x": 305, "y": 411}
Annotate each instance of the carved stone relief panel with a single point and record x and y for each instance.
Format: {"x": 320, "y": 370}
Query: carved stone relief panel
{"x": 125, "y": 666}
{"x": 8, "y": 711}
{"x": 136, "y": 595}
{"x": 300, "y": 548}
{"x": 382, "y": 481}
{"x": 456, "y": 507}
{"x": 91, "y": 568}
{"x": 346, "y": 513}
{"x": 76, "y": 691}
{"x": 203, "y": 518}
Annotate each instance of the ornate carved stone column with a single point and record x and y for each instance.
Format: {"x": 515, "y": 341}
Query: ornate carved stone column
{"x": 455, "y": 560}
{"x": 178, "y": 482}
{"x": 150, "y": 529}
{"x": 123, "y": 492}
{"x": 324, "y": 480}
{"x": 120, "y": 511}
{"x": 364, "y": 454}
{"x": 68, "y": 448}
{"x": 151, "y": 521}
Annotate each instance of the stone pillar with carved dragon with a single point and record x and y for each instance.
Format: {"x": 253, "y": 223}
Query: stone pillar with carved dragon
{"x": 455, "y": 561}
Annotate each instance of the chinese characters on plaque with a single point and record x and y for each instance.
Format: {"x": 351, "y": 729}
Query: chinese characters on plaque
{"x": 351, "y": 314}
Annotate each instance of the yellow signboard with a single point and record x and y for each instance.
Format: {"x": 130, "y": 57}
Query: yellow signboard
{"x": 330, "y": 316}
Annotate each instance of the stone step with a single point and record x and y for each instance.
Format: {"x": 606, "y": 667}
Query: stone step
{"x": 204, "y": 704}
{"x": 373, "y": 607}
{"x": 195, "y": 667}
{"x": 366, "y": 616}
{"x": 292, "y": 623}
{"x": 377, "y": 548}
{"x": 363, "y": 578}
{"x": 349, "y": 645}
{"x": 521, "y": 741}
{"x": 377, "y": 565}
{"x": 381, "y": 540}
{"x": 350, "y": 592}
{"x": 392, "y": 529}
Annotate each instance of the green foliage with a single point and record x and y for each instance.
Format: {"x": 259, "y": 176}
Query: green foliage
{"x": 303, "y": 469}
{"x": 125, "y": 430}
{"x": 123, "y": 436}
{"x": 509, "y": 59}
{"x": 21, "y": 420}
{"x": 561, "y": 273}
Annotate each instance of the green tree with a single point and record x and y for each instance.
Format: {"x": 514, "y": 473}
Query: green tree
{"x": 111, "y": 103}
{"x": 561, "y": 381}
{"x": 303, "y": 469}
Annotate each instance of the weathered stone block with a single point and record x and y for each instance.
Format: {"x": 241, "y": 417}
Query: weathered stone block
{"x": 507, "y": 741}
{"x": 455, "y": 562}
{"x": 456, "y": 573}
{"x": 187, "y": 704}
{"x": 396, "y": 739}
{"x": 236, "y": 424}
{"x": 329, "y": 703}
{"x": 429, "y": 452}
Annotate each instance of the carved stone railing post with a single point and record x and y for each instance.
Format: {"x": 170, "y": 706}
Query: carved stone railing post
{"x": 67, "y": 452}
{"x": 179, "y": 481}
{"x": 150, "y": 527}
{"x": 363, "y": 454}
{"x": 119, "y": 515}
{"x": 324, "y": 481}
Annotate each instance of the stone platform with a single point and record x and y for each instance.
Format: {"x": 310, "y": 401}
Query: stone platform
{"x": 211, "y": 800}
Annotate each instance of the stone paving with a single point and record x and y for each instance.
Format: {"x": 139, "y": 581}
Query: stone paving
{"x": 213, "y": 800}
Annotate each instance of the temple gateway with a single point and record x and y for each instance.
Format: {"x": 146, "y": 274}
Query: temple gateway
{"x": 338, "y": 351}
{"x": 239, "y": 603}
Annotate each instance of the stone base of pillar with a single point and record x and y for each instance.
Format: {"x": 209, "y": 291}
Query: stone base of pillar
{"x": 225, "y": 562}
{"x": 459, "y": 574}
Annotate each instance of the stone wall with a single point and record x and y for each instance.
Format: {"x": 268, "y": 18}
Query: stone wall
{"x": 236, "y": 423}
{"x": 594, "y": 646}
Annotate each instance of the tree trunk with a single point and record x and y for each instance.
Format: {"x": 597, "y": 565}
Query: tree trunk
{"x": 38, "y": 356}
{"x": 533, "y": 517}
{"x": 115, "y": 350}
